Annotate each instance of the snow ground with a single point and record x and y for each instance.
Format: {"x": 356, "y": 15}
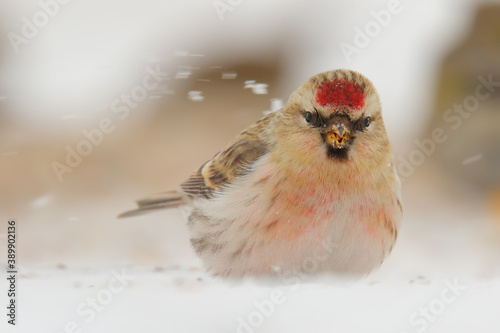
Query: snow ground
{"x": 185, "y": 300}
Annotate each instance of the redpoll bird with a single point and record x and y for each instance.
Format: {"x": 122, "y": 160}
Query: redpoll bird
{"x": 310, "y": 188}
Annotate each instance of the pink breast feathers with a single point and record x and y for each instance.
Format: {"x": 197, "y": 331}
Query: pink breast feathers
{"x": 341, "y": 92}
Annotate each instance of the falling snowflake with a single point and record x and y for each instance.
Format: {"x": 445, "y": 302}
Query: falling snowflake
{"x": 276, "y": 104}
{"x": 184, "y": 72}
{"x": 10, "y": 153}
{"x": 42, "y": 201}
{"x": 472, "y": 159}
{"x": 195, "y": 96}
{"x": 229, "y": 75}
{"x": 257, "y": 88}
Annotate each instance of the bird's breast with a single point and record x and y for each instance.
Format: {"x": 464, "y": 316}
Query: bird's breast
{"x": 269, "y": 219}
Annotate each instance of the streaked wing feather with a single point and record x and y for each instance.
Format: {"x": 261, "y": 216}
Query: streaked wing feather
{"x": 196, "y": 185}
{"x": 232, "y": 162}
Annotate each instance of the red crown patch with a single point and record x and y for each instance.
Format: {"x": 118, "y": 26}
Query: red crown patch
{"x": 341, "y": 92}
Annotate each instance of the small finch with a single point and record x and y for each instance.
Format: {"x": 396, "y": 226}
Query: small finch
{"x": 310, "y": 188}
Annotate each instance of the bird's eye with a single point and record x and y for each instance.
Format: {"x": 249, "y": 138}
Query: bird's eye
{"x": 309, "y": 117}
{"x": 367, "y": 121}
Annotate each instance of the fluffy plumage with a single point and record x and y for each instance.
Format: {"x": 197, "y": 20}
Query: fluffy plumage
{"x": 310, "y": 188}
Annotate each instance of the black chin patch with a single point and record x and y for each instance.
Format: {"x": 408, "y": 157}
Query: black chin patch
{"x": 339, "y": 154}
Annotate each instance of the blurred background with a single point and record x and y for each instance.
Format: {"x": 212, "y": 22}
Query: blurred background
{"x": 104, "y": 102}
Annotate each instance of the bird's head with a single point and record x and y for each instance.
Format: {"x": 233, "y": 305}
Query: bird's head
{"x": 337, "y": 115}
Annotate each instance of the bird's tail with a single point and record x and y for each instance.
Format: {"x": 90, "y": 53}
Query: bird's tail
{"x": 158, "y": 201}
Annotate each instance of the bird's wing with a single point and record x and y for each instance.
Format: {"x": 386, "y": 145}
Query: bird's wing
{"x": 221, "y": 170}
{"x": 232, "y": 162}
{"x": 158, "y": 201}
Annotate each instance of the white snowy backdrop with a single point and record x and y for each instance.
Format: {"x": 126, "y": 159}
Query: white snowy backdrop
{"x": 82, "y": 270}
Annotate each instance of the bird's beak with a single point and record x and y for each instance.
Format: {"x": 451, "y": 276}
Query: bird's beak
{"x": 339, "y": 136}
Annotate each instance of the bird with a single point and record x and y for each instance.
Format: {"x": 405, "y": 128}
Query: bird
{"x": 308, "y": 189}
